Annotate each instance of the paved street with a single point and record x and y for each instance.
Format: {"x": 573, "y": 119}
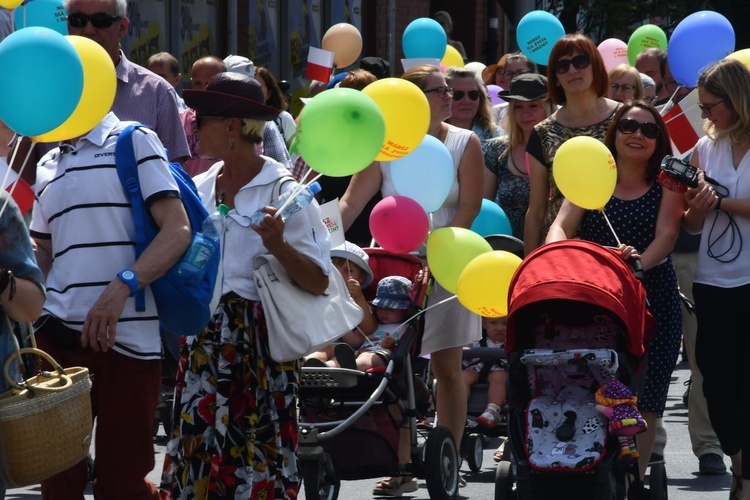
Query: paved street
{"x": 684, "y": 482}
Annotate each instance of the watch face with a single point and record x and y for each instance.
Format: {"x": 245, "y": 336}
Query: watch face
{"x": 128, "y": 275}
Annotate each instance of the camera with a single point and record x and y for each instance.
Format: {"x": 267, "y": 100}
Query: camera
{"x": 680, "y": 170}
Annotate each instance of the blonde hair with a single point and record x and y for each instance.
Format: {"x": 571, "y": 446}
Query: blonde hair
{"x": 729, "y": 80}
{"x": 625, "y": 69}
{"x": 513, "y": 129}
{"x": 484, "y": 117}
{"x": 252, "y": 129}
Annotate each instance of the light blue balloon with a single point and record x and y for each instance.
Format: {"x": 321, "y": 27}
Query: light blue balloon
{"x": 46, "y": 13}
{"x": 537, "y": 33}
{"x": 424, "y": 37}
{"x": 43, "y": 82}
{"x": 425, "y": 175}
{"x": 698, "y": 40}
{"x": 491, "y": 220}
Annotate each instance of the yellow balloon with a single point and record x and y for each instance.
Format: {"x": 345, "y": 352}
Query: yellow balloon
{"x": 406, "y": 113}
{"x": 449, "y": 250}
{"x": 452, "y": 57}
{"x": 585, "y": 172}
{"x": 742, "y": 56}
{"x": 485, "y": 281}
{"x": 10, "y": 4}
{"x": 99, "y": 86}
{"x": 345, "y": 41}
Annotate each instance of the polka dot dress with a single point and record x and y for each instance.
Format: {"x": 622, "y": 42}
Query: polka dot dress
{"x": 634, "y": 222}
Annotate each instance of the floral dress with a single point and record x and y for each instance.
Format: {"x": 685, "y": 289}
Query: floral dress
{"x": 512, "y": 190}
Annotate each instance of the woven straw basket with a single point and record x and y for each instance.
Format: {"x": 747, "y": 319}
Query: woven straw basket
{"x": 45, "y": 422}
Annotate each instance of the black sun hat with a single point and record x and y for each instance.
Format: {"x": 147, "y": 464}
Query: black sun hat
{"x": 526, "y": 87}
{"x": 232, "y": 95}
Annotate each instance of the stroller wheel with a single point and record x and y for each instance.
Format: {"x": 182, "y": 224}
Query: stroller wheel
{"x": 473, "y": 451}
{"x": 657, "y": 481}
{"x": 320, "y": 478}
{"x": 441, "y": 464}
{"x": 504, "y": 481}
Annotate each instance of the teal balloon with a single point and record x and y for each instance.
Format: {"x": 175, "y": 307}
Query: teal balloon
{"x": 425, "y": 175}
{"x": 340, "y": 132}
{"x": 537, "y": 33}
{"x": 491, "y": 220}
{"x": 424, "y": 37}
{"x": 45, "y": 13}
{"x": 43, "y": 82}
{"x": 698, "y": 40}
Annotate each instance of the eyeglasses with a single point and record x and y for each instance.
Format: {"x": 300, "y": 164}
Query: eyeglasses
{"x": 441, "y": 91}
{"x": 579, "y": 62}
{"x": 199, "y": 119}
{"x": 649, "y": 130}
{"x": 626, "y": 89}
{"x": 512, "y": 74}
{"x": 100, "y": 20}
{"x": 706, "y": 108}
{"x": 471, "y": 94}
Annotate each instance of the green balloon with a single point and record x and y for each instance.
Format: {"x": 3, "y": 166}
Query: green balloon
{"x": 340, "y": 132}
{"x": 646, "y": 36}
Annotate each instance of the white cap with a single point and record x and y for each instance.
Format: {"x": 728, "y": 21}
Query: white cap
{"x": 239, "y": 64}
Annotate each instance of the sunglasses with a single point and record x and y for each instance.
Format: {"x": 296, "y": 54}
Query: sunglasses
{"x": 649, "y": 130}
{"x": 579, "y": 62}
{"x": 200, "y": 118}
{"x": 99, "y": 20}
{"x": 441, "y": 91}
{"x": 471, "y": 94}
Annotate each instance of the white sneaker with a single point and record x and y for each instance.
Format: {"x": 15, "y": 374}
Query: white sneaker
{"x": 491, "y": 416}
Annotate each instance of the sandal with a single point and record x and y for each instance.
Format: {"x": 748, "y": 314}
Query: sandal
{"x": 346, "y": 356}
{"x": 735, "y": 487}
{"x": 395, "y": 486}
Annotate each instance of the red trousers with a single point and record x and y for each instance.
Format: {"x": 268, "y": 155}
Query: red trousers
{"x": 124, "y": 397}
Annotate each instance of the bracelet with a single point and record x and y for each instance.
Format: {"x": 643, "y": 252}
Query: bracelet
{"x": 718, "y": 203}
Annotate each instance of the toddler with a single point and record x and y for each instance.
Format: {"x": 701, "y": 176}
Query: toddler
{"x": 493, "y": 371}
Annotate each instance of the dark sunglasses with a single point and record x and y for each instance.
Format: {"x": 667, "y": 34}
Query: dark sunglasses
{"x": 579, "y": 62}
{"x": 471, "y": 94}
{"x": 199, "y": 119}
{"x": 649, "y": 130}
{"x": 99, "y": 20}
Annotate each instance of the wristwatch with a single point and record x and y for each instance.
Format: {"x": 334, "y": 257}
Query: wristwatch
{"x": 129, "y": 278}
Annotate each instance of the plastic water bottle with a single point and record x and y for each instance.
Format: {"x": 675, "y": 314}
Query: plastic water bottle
{"x": 205, "y": 244}
{"x": 300, "y": 201}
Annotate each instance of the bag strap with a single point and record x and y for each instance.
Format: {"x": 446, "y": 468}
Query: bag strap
{"x": 279, "y": 183}
{"x": 127, "y": 169}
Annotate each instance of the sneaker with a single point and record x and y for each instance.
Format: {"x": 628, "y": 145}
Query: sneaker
{"x": 395, "y": 486}
{"x": 490, "y": 418}
{"x": 711, "y": 464}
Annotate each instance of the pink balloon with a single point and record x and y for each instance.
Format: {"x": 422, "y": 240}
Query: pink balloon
{"x": 399, "y": 224}
{"x": 492, "y": 90}
{"x": 614, "y": 51}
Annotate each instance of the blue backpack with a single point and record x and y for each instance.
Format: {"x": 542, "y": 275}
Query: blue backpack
{"x": 183, "y": 309}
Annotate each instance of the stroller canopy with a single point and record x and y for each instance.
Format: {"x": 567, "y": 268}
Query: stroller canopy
{"x": 585, "y": 272}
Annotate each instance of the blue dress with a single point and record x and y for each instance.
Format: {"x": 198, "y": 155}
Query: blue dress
{"x": 634, "y": 222}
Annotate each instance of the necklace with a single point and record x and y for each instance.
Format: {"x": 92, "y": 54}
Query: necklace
{"x": 512, "y": 162}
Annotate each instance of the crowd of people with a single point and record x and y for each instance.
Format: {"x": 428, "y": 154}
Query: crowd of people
{"x": 235, "y": 407}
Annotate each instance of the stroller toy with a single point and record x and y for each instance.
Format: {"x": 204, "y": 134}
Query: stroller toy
{"x": 617, "y": 403}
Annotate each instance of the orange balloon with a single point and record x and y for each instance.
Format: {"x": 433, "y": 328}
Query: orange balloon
{"x": 345, "y": 41}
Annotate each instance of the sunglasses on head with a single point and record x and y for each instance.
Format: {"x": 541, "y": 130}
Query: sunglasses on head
{"x": 99, "y": 20}
{"x": 200, "y": 118}
{"x": 471, "y": 94}
{"x": 649, "y": 130}
{"x": 579, "y": 62}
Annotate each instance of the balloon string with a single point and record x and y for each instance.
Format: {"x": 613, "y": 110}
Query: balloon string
{"x": 20, "y": 171}
{"x": 611, "y": 228}
{"x": 424, "y": 311}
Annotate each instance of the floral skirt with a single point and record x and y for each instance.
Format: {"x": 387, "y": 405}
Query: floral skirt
{"x": 235, "y": 433}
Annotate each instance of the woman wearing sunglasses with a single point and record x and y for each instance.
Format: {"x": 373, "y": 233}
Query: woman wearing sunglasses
{"x": 577, "y": 81}
{"x": 470, "y": 108}
{"x": 646, "y": 219}
{"x": 721, "y": 288}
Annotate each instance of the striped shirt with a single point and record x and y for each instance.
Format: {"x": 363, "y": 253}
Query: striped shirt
{"x": 82, "y": 208}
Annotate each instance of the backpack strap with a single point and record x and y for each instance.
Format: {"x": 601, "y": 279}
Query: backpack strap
{"x": 127, "y": 169}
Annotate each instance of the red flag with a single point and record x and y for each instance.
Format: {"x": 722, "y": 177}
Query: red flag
{"x": 319, "y": 64}
{"x": 685, "y": 124}
{"x": 22, "y": 193}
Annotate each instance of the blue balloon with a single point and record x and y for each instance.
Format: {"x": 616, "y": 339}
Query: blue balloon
{"x": 424, "y": 37}
{"x": 425, "y": 175}
{"x": 491, "y": 220}
{"x": 43, "y": 83}
{"x": 698, "y": 40}
{"x": 46, "y": 13}
{"x": 537, "y": 33}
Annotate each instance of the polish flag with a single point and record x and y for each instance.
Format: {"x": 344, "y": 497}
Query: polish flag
{"x": 319, "y": 64}
{"x": 22, "y": 193}
{"x": 684, "y": 124}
